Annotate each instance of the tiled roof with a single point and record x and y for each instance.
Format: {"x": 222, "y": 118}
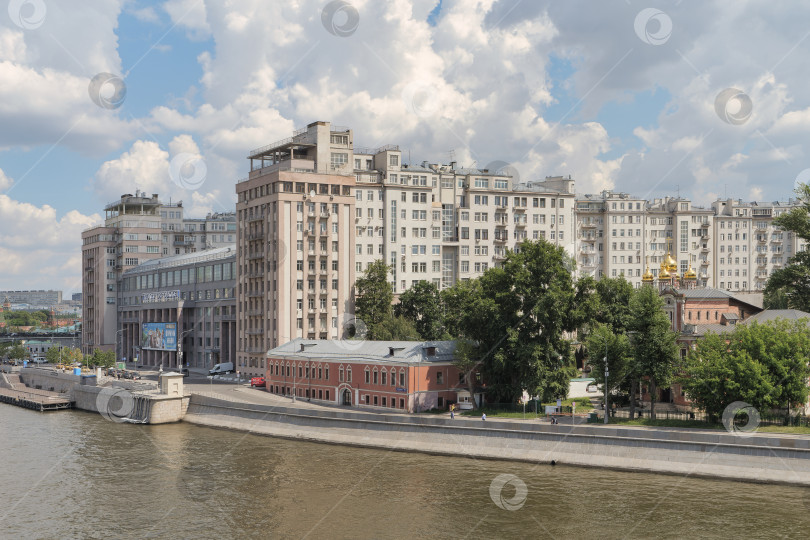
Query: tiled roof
{"x": 404, "y": 351}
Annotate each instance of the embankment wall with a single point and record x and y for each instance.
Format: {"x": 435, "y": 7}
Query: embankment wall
{"x": 757, "y": 458}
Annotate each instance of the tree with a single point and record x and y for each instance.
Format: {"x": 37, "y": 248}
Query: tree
{"x": 17, "y": 352}
{"x": 614, "y": 296}
{"x": 396, "y": 329}
{"x": 422, "y": 304}
{"x": 656, "y": 348}
{"x": 603, "y": 343}
{"x": 373, "y": 296}
{"x": 466, "y": 359}
{"x": 517, "y": 315}
{"x": 53, "y": 355}
{"x": 789, "y": 287}
{"x": 99, "y": 358}
{"x": 764, "y": 365}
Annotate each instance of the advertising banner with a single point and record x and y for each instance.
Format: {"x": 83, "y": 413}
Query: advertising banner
{"x": 159, "y": 336}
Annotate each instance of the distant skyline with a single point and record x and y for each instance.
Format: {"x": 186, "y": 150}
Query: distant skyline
{"x": 98, "y": 99}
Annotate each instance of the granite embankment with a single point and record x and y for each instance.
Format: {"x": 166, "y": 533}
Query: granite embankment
{"x": 757, "y": 458}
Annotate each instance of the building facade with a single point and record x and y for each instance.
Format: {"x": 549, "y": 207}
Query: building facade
{"x": 33, "y": 298}
{"x": 137, "y": 228}
{"x": 180, "y": 310}
{"x": 732, "y": 245}
{"x": 407, "y": 376}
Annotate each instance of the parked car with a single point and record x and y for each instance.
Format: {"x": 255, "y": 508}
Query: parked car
{"x": 258, "y": 381}
{"x": 223, "y": 368}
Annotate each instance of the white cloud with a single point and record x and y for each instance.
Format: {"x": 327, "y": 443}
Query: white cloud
{"x": 39, "y": 248}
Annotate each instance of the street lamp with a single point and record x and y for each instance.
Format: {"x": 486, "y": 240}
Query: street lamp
{"x": 607, "y": 373}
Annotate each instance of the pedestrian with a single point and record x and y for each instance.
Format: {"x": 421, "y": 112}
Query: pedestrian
{"x": 484, "y": 417}
{"x": 452, "y": 415}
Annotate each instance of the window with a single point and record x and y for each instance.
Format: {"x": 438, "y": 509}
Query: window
{"x": 393, "y": 160}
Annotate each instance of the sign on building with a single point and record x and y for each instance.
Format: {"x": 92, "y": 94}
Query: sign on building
{"x": 160, "y": 296}
{"x": 159, "y": 336}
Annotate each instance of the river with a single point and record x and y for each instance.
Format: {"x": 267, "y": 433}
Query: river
{"x": 73, "y": 474}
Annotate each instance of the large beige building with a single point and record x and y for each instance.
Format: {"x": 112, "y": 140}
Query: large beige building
{"x": 315, "y": 211}
{"x": 732, "y": 245}
{"x": 137, "y": 228}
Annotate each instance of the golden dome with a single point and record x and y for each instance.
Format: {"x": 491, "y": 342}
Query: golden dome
{"x": 672, "y": 264}
{"x": 663, "y": 273}
{"x": 648, "y": 275}
{"x": 690, "y": 274}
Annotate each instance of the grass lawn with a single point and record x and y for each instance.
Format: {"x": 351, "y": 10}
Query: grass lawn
{"x": 583, "y": 406}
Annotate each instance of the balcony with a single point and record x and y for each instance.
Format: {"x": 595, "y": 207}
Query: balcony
{"x": 501, "y": 224}
{"x": 255, "y": 294}
{"x": 776, "y": 240}
{"x": 255, "y": 217}
{"x": 253, "y": 275}
{"x": 762, "y": 239}
{"x": 588, "y": 239}
{"x": 186, "y": 242}
{"x": 255, "y": 350}
{"x": 704, "y": 224}
{"x": 255, "y": 313}
{"x": 254, "y": 332}
{"x": 256, "y": 236}
{"x": 499, "y": 257}
{"x": 519, "y": 208}
{"x": 520, "y": 224}
{"x": 500, "y": 239}
{"x": 704, "y": 248}
{"x": 704, "y": 262}
{"x": 255, "y": 255}
{"x": 587, "y": 225}
{"x": 325, "y": 215}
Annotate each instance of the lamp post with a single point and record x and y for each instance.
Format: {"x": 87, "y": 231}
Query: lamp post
{"x": 607, "y": 373}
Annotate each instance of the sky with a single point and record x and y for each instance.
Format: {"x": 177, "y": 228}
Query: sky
{"x": 99, "y": 98}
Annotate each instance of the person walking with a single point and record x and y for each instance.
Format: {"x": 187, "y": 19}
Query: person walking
{"x": 484, "y": 417}
{"x": 452, "y": 412}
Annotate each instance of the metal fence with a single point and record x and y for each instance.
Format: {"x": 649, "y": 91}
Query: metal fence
{"x": 765, "y": 419}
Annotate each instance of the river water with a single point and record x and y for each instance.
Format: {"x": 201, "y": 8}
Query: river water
{"x": 74, "y": 474}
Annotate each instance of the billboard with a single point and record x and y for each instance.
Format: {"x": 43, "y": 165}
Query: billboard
{"x": 159, "y": 336}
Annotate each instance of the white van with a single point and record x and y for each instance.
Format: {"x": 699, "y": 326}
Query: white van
{"x": 219, "y": 369}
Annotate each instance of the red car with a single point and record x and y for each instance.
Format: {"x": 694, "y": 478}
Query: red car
{"x": 258, "y": 381}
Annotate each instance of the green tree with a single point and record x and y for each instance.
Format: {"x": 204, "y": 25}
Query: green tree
{"x": 17, "y": 352}
{"x": 614, "y": 296}
{"x": 714, "y": 377}
{"x": 53, "y": 355}
{"x": 99, "y": 358}
{"x": 603, "y": 343}
{"x": 422, "y": 304}
{"x": 467, "y": 359}
{"x": 518, "y": 315}
{"x": 373, "y": 297}
{"x": 789, "y": 287}
{"x": 655, "y": 344}
{"x": 396, "y": 329}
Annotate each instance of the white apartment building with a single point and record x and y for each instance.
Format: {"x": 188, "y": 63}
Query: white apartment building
{"x": 732, "y": 245}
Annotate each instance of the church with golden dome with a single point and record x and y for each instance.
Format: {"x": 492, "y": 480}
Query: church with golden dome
{"x": 668, "y": 277}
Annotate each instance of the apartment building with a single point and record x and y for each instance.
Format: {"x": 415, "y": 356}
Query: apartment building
{"x": 33, "y": 298}
{"x": 137, "y": 228}
{"x": 731, "y": 245}
{"x": 315, "y": 211}
{"x": 295, "y": 216}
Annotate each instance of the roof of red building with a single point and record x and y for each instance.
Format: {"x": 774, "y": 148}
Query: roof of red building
{"x": 379, "y": 351}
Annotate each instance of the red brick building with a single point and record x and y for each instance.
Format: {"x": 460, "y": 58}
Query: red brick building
{"x": 411, "y": 376}
{"x": 693, "y": 312}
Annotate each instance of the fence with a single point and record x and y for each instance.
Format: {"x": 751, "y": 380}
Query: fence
{"x": 769, "y": 419}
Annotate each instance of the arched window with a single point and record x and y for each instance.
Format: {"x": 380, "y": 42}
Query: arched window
{"x": 715, "y": 315}
{"x": 707, "y": 314}
{"x": 384, "y": 376}
{"x": 349, "y": 374}
{"x": 698, "y": 315}
{"x": 376, "y": 376}
{"x": 368, "y": 375}
{"x": 340, "y": 373}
